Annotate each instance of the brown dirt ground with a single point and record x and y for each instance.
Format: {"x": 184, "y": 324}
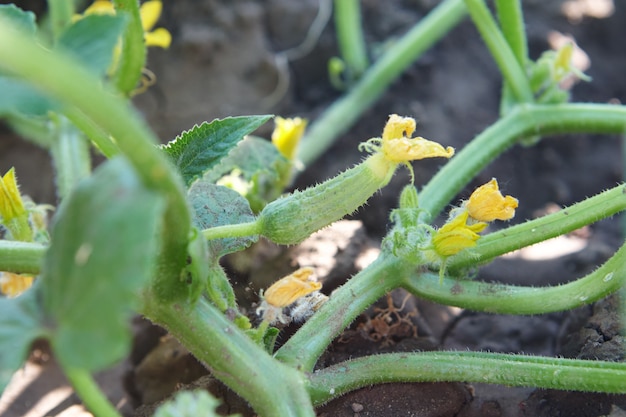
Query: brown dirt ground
{"x": 224, "y": 61}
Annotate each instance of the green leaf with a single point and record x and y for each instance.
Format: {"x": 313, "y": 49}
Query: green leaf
{"x": 214, "y": 205}
{"x": 21, "y": 20}
{"x": 104, "y": 246}
{"x": 199, "y": 149}
{"x": 190, "y": 404}
{"x": 20, "y": 320}
{"x": 257, "y": 161}
{"x": 92, "y": 40}
{"x": 18, "y": 97}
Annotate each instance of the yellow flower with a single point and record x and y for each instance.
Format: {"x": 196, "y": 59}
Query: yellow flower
{"x": 398, "y": 145}
{"x": 287, "y": 290}
{"x": 150, "y": 11}
{"x": 13, "y": 285}
{"x": 487, "y": 204}
{"x": 11, "y": 204}
{"x": 456, "y": 235}
{"x": 287, "y": 135}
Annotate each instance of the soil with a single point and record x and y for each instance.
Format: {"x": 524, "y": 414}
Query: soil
{"x": 227, "y": 59}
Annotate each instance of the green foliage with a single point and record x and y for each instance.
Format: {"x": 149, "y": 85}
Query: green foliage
{"x": 215, "y": 205}
{"x": 257, "y": 163}
{"x": 22, "y": 20}
{"x": 20, "y": 325}
{"x": 92, "y": 40}
{"x": 199, "y": 149}
{"x": 190, "y": 404}
{"x": 103, "y": 251}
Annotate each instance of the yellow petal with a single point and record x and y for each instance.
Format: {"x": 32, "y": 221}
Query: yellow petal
{"x": 287, "y": 134}
{"x": 487, "y": 204}
{"x": 158, "y": 37}
{"x": 399, "y": 147}
{"x": 456, "y": 235}
{"x": 288, "y": 289}
{"x": 11, "y": 204}
{"x": 100, "y": 7}
{"x": 150, "y": 12}
{"x": 13, "y": 285}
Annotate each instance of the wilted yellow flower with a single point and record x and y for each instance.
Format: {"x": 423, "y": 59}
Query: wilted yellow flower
{"x": 287, "y": 134}
{"x": 288, "y": 289}
{"x": 149, "y": 11}
{"x": 456, "y": 235}
{"x": 487, "y": 204}
{"x": 398, "y": 147}
{"x": 11, "y": 204}
{"x": 13, "y": 285}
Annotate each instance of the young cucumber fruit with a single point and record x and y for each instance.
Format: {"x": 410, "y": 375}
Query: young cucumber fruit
{"x": 293, "y": 218}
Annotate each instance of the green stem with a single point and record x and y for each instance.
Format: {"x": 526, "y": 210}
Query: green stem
{"x": 510, "y": 299}
{"x": 489, "y": 368}
{"x": 271, "y": 388}
{"x": 70, "y": 156}
{"x": 304, "y": 348}
{"x": 232, "y": 230}
{"x": 512, "y": 71}
{"x": 61, "y": 13}
{"x": 133, "y": 56}
{"x": 566, "y": 220}
{"x": 344, "y": 112}
{"x": 21, "y": 257}
{"x": 350, "y": 36}
{"x": 527, "y": 119}
{"x": 90, "y": 393}
{"x": 65, "y": 79}
{"x": 100, "y": 138}
{"x": 512, "y": 25}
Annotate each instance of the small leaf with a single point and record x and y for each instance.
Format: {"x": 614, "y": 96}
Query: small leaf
{"x": 190, "y": 404}
{"x": 19, "y": 97}
{"x": 20, "y": 19}
{"x": 20, "y": 320}
{"x": 103, "y": 250}
{"x": 198, "y": 150}
{"x": 260, "y": 163}
{"x": 92, "y": 40}
{"x": 214, "y": 205}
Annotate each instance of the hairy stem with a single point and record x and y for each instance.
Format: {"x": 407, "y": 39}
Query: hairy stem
{"x": 510, "y": 299}
{"x": 490, "y": 368}
{"x": 527, "y": 119}
{"x": 21, "y": 257}
{"x": 350, "y": 36}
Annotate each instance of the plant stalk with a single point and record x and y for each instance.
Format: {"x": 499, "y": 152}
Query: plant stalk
{"x": 490, "y": 368}
{"x": 510, "y": 299}
{"x": 342, "y": 114}
{"x": 350, "y": 37}
{"x": 133, "y": 56}
{"x": 21, "y": 257}
{"x": 90, "y": 393}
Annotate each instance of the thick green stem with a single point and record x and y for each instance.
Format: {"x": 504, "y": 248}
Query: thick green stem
{"x": 271, "y": 388}
{"x": 524, "y": 120}
{"x": 21, "y": 257}
{"x": 512, "y": 71}
{"x": 569, "y": 219}
{"x": 304, "y": 348}
{"x": 344, "y": 112}
{"x": 489, "y": 368}
{"x": 133, "y": 56}
{"x": 512, "y": 25}
{"x": 70, "y": 155}
{"x": 350, "y": 36}
{"x": 510, "y": 299}
{"x": 65, "y": 79}
{"x": 90, "y": 393}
